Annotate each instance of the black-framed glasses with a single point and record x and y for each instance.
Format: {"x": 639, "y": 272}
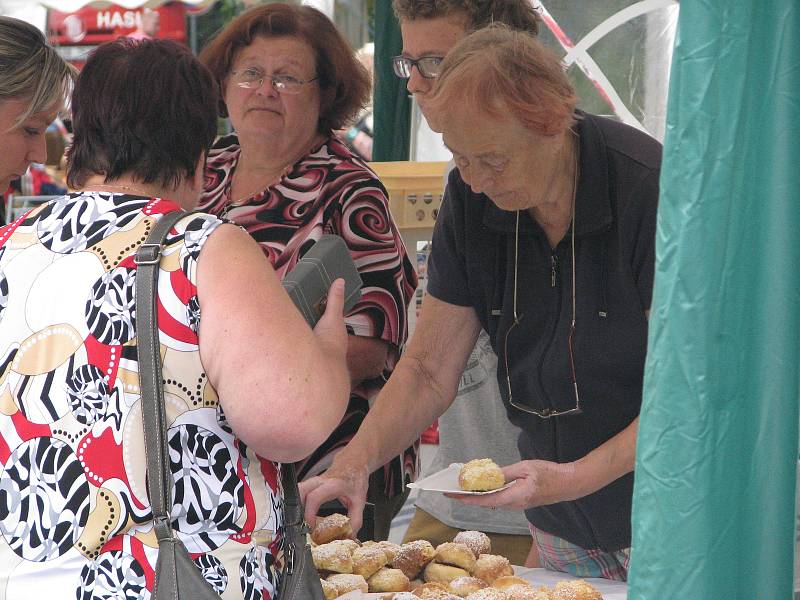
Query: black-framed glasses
{"x": 546, "y": 413}
{"x": 253, "y": 79}
{"x": 428, "y": 66}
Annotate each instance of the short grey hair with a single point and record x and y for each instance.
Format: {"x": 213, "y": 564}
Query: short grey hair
{"x": 31, "y": 69}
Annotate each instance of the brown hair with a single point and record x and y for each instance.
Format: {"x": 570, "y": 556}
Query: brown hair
{"x": 122, "y": 126}
{"x": 497, "y": 69}
{"x": 517, "y": 14}
{"x": 30, "y": 68}
{"x": 344, "y": 82}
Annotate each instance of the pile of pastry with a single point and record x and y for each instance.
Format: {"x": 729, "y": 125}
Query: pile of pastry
{"x": 463, "y": 568}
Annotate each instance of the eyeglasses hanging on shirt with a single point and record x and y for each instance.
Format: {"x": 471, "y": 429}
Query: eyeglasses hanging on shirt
{"x": 546, "y": 413}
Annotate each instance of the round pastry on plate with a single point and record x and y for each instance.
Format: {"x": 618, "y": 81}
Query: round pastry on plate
{"x": 333, "y": 556}
{"x": 526, "y": 592}
{"x": 506, "y": 581}
{"x": 347, "y": 583}
{"x": 477, "y": 541}
{"x": 328, "y": 590}
{"x": 389, "y": 580}
{"x": 577, "y": 589}
{"x": 480, "y": 475}
{"x": 389, "y": 548}
{"x": 413, "y": 556}
{"x": 438, "y": 573}
{"x": 458, "y": 555}
{"x": 464, "y": 586}
{"x": 367, "y": 561}
{"x": 332, "y": 527}
{"x": 489, "y": 594}
{"x": 348, "y": 543}
{"x": 434, "y": 591}
{"x": 492, "y": 566}
{"x": 431, "y": 586}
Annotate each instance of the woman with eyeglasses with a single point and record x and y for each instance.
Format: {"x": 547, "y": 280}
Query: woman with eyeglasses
{"x": 545, "y": 240}
{"x": 288, "y": 80}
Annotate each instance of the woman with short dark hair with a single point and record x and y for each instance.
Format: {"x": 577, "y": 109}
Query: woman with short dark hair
{"x": 288, "y": 80}
{"x": 160, "y": 106}
{"x": 75, "y": 517}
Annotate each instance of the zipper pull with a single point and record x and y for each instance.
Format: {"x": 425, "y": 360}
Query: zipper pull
{"x": 553, "y": 268}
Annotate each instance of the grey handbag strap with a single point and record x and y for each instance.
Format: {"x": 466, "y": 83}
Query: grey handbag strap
{"x": 292, "y": 508}
{"x": 151, "y": 386}
{"x": 294, "y": 524}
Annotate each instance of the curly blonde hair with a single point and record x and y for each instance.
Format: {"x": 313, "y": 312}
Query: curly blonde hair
{"x": 31, "y": 69}
{"x": 498, "y": 70}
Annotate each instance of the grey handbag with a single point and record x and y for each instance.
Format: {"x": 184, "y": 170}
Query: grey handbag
{"x": 309, "y": 281}
{"x": 177, "y": 577}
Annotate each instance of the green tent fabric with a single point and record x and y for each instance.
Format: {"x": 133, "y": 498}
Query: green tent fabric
{"x": 714, "y": 495}
{"x": 392, "y": 108}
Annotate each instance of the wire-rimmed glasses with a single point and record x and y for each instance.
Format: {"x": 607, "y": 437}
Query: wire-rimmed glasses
{"x": 546, "y": 413}
{"x": 428, "y": 66}
{"x": 253, "y": 79}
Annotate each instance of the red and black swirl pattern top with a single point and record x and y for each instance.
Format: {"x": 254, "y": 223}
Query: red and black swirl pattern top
{"x": 330, "y": 191}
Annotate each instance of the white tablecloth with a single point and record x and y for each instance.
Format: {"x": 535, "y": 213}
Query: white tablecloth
{"x": 611, "y": 590}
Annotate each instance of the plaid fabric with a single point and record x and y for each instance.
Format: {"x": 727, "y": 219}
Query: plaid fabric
{"x": 558, "y": 554}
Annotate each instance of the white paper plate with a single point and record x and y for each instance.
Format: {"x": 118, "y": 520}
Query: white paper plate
{"x": 446, "y": 480}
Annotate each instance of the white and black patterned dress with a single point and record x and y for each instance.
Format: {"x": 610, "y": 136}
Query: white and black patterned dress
{"x": 75, "y": 520}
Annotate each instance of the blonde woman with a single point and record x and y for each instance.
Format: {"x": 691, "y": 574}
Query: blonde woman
{"x": 34, "y": 84}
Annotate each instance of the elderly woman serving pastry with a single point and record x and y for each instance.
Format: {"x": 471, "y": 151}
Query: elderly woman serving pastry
{"x": 546, "y": 241}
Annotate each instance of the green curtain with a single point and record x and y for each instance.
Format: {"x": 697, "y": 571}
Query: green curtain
{"x": 392, "y": 108}
{"x": 713, "y": 507}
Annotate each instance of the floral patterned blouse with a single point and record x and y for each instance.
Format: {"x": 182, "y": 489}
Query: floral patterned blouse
{"x": 330, "y": 190}
{"x": 75, "y": 519}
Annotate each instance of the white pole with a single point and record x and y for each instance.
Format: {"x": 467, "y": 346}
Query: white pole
{"x": 325, "y": 6}
{"x": 30, "y": 12}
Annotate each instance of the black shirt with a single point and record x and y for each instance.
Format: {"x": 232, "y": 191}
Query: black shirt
{"x": 472, "y": 264}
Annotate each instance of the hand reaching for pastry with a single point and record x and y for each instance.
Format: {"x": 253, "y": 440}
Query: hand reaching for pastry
{"x": 348, "y": 484}
{"x": 537, "y": 483}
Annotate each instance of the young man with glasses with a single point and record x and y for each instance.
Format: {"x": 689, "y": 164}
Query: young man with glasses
{"x": 431, "y": 28}
{"x": 476, "y": 425}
